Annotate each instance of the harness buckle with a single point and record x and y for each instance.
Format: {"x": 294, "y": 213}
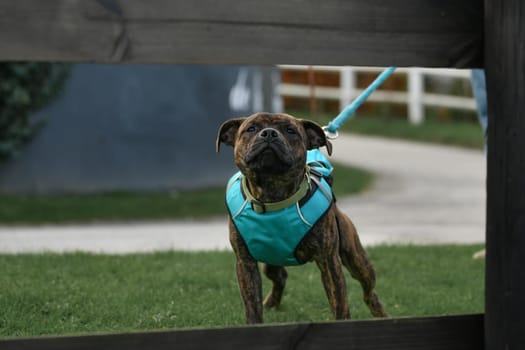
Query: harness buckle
{"x": 315, "y": 172}
{"x": 258, "y": 206}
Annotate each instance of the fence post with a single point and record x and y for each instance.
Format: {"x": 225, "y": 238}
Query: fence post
{"x": 505, "y": 275}
{"x": 347, "y": 89}
{"x": 415, "y": 96}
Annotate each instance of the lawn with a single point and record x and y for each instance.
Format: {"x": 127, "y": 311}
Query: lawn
{"x": 78, "y": 208}
{"x": 49, "y": 294}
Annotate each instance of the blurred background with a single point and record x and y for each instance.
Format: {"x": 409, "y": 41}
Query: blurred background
{"x": 147, "y": 127}
{"x": 128, "y": 127}
{"x": 90, "y": 140}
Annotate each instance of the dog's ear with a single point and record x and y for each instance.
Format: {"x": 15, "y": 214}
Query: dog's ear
{"x": 228, "y": 132}
{"x": 316, "y": 136}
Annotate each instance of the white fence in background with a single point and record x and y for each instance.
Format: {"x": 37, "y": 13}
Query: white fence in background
{"x": 416, "y": 98}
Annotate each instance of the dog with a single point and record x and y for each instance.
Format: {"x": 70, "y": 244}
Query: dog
{"x": 271, "y": 151}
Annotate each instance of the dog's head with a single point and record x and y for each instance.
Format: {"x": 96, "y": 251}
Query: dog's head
{"x": 271, "y": 144}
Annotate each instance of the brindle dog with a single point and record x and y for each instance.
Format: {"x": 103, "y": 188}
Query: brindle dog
{"x": 270, "y": 151}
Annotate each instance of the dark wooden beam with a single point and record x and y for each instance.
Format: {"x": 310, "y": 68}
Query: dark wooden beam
{"x": 432, "y": 33}
{"x": 463, "y": 332}
{"x": 505, "y": 269}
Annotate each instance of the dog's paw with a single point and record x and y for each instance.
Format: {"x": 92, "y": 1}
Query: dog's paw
{"x": 271, "y": 302}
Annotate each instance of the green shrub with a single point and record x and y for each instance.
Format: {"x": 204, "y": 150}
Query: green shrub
{"x": 25, "y": 88}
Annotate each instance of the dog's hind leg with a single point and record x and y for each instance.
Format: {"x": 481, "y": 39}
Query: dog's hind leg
{"x": 354, "y": 258}
{"x": 278, "y": 276}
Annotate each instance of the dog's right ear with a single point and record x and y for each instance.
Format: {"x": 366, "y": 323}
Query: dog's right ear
{"x": 228, "y": 132}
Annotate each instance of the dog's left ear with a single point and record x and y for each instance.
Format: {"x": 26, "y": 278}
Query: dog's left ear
{"x": 228, "y": 132}
{"x": 316, "y": 136}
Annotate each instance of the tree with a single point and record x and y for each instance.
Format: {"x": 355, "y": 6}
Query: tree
{"x": 25, "y": 88}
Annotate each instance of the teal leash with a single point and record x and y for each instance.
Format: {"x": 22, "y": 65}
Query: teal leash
{"x": 348, "y": 111}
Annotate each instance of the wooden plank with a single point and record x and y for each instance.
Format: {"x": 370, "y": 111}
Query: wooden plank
{"x": 53, "y": 30}
{"x": 430, "y": 333}
{"x": 505, "y": 272}
{"x": 445, "y": 33}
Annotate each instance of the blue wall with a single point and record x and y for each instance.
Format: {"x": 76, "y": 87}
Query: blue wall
{"x": 139, "y": 127}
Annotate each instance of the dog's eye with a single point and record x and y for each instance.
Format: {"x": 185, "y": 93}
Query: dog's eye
{"x": 291, "y": 130}
{"x": 250, "y": 129}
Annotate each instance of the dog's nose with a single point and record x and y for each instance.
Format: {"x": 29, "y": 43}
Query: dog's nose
{"x": 269, "y": 134}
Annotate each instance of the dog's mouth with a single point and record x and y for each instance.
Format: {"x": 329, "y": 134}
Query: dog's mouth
{"x": 268, "y": 155}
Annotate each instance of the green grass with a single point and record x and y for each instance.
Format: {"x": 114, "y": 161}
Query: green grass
{"x": 462, "y": 133}
{"x": 35, "y": 209}
{"x": 40, "y": 209}
{"x": 81, "y": 293}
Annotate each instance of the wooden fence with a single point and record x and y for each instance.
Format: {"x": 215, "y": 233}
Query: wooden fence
{"x": 445, "y": 33}
{"x": 424, "y": 33}
{"x": 415, "y": 96}
{"x": 430, "y": 333}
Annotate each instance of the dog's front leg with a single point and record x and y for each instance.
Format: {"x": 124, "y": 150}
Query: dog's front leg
{"x": 249, "y": 279}
{"x": 335, "y": 286}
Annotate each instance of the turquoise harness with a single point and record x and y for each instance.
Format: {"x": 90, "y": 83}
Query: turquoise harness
{"x": 272, "y": 236}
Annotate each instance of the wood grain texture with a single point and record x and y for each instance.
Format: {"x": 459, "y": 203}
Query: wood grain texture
{"x": 462, "y": 332}
{"x": 434, "y": 33}
{"x": 505, "y": 268}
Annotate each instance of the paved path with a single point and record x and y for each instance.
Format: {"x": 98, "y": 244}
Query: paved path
{"x": 422, "y": 194}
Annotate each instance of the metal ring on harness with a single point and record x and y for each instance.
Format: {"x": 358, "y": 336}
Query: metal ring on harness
{"x": 329, "y": 134}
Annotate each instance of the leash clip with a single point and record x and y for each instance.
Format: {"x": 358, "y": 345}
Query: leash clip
{"x": 330, "y": 135}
